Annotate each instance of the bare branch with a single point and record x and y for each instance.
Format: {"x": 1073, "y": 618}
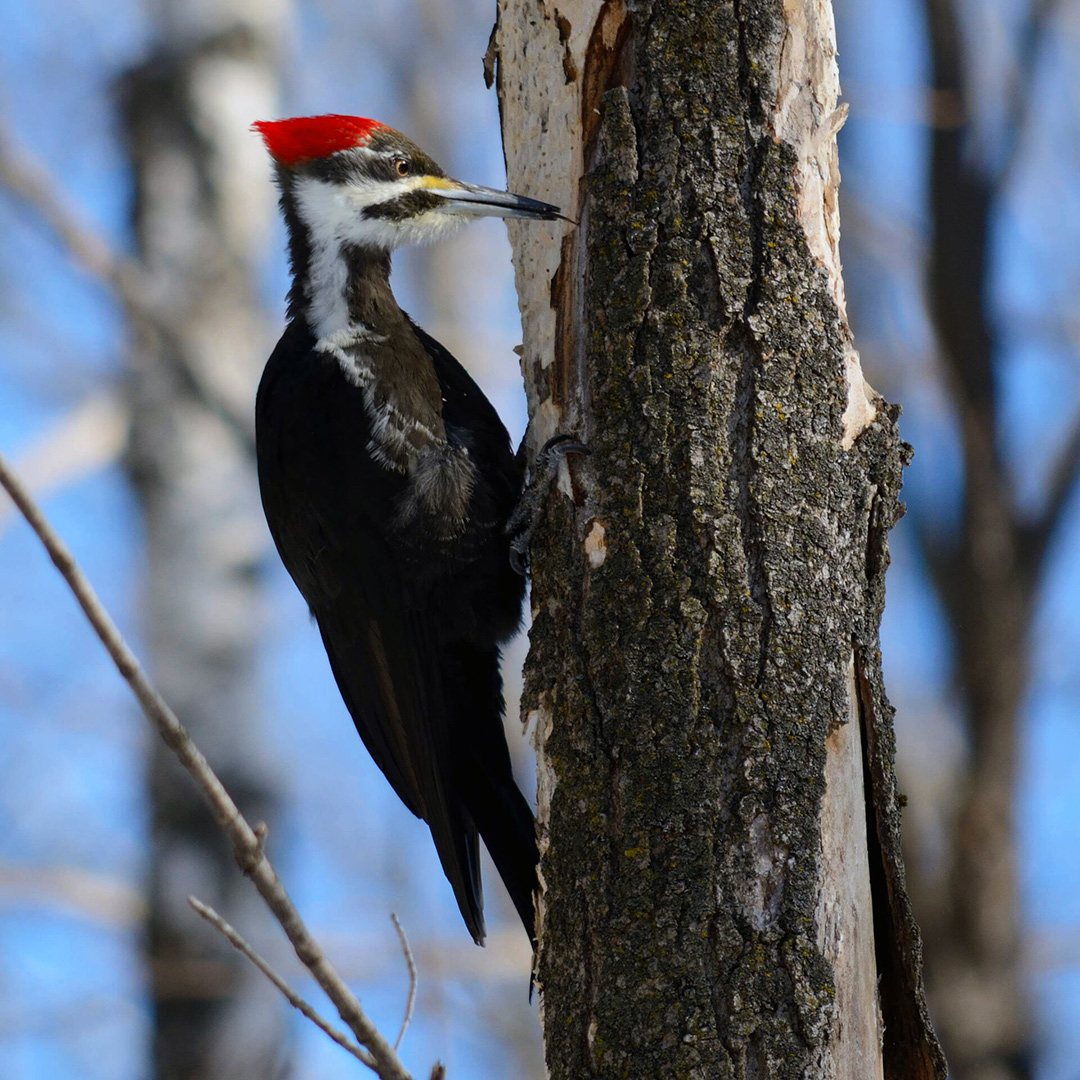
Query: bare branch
{"x": 1033, "y": 34}
{"x": 410, "y": 963}
{"x": 364, "y": 958}
{"x": 262, "y": 831}
{"x": 247, "y": 846}
{"x": 31, "y": 183}
{"x": 1062, "y": 482}
{"x": 1063, "y": 477}
{"x": 293, "y": 998}
{"x": 28, "y": 180}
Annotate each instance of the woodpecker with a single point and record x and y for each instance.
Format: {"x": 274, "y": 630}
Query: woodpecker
{"x": 388, "y": 481}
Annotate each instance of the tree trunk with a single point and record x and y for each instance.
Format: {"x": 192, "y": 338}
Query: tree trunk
{"x": 202, "y": 207}
{"x": 724, "y": 894}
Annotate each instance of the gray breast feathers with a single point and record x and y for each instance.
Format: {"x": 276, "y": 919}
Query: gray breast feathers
{"x": 403, "y": 424}
{"x": 408, "y": 435}
{"x": 441, "y": 483}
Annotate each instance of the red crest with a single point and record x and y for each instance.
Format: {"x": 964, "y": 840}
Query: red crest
{"x": 307, "y": 138}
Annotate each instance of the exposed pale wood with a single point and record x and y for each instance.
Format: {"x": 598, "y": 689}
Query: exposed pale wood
{"x": 545, "y": 159}
{"x": 845, "y": 910}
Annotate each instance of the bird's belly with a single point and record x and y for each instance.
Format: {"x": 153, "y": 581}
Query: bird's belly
{"x": 477, "y": 607}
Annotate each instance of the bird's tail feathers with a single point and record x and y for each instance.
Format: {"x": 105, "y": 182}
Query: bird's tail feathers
{"x": 508, "y": 828}
{"x": 459, "y": 853}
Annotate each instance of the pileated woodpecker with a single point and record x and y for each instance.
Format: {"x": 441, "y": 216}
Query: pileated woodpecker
{"x": 388, "y": 481}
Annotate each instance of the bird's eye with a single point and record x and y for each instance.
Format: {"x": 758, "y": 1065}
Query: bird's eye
{"x": 402, "y": 166}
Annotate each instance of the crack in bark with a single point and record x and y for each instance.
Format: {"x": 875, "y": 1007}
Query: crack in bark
{"x": 745, "y": 341}
{"x": 742, "y": 474}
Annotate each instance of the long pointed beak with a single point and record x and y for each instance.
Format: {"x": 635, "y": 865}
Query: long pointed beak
{"x": 478, "y": 201}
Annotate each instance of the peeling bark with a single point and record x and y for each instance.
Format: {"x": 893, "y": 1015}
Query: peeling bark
{"x": 723, "y": 891}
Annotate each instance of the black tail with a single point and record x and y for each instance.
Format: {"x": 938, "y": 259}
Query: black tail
{"x": 508, "y": 828}
{"x": 484, "y": 778}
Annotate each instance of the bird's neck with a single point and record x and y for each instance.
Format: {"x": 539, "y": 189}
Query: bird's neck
{"x": 341, "y": 290}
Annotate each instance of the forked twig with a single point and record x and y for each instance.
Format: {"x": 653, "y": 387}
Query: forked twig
{"x": 293, "y": 998}
{"x": 410, "y": 963}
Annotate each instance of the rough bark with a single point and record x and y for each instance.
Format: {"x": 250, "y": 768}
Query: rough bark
{"x": 724, "y": 894}
{"x": 202, "y": 207}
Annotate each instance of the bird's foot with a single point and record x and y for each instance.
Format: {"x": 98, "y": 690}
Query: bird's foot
{"x": 526, "y": 514}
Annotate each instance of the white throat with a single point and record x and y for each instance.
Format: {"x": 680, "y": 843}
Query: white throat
{"x": 334, "y": 216}
{"x": 324, "y": 212}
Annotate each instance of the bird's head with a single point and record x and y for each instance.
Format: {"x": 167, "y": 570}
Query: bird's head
{"x": 355, "y": 181}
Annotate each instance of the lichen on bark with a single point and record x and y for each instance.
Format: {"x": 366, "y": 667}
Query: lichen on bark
{"x": 699, "y": 600}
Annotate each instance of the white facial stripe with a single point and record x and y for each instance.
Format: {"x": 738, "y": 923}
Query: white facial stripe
{"x": 334, "y": 216}
{"x": 365, "y": 193}
{"x": 422, "y": 229}
{"x": 335, "y": 210}
{"x": 325, "y": 214}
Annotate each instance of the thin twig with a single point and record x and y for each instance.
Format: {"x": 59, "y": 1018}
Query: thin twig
{"x": 410, "y": 963}
{"x": 246, "y": 844}
{"x": 294, "y": 999}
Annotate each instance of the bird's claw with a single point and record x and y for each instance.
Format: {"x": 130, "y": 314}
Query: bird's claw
{"x": 519, "y": 555}
{"x": 523, "y": 520}
{"x": 559, "y": 446}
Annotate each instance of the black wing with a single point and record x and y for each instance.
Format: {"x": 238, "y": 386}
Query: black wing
{"x": 330, "y": 509}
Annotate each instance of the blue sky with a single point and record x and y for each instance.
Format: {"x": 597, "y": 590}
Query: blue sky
{"x": 71, "y": 744}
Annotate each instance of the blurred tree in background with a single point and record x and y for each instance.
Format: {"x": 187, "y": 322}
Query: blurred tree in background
{"x": 959, "y": 216}
{"x": 964, "y": 280}
{"x": 201, "y": 217}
